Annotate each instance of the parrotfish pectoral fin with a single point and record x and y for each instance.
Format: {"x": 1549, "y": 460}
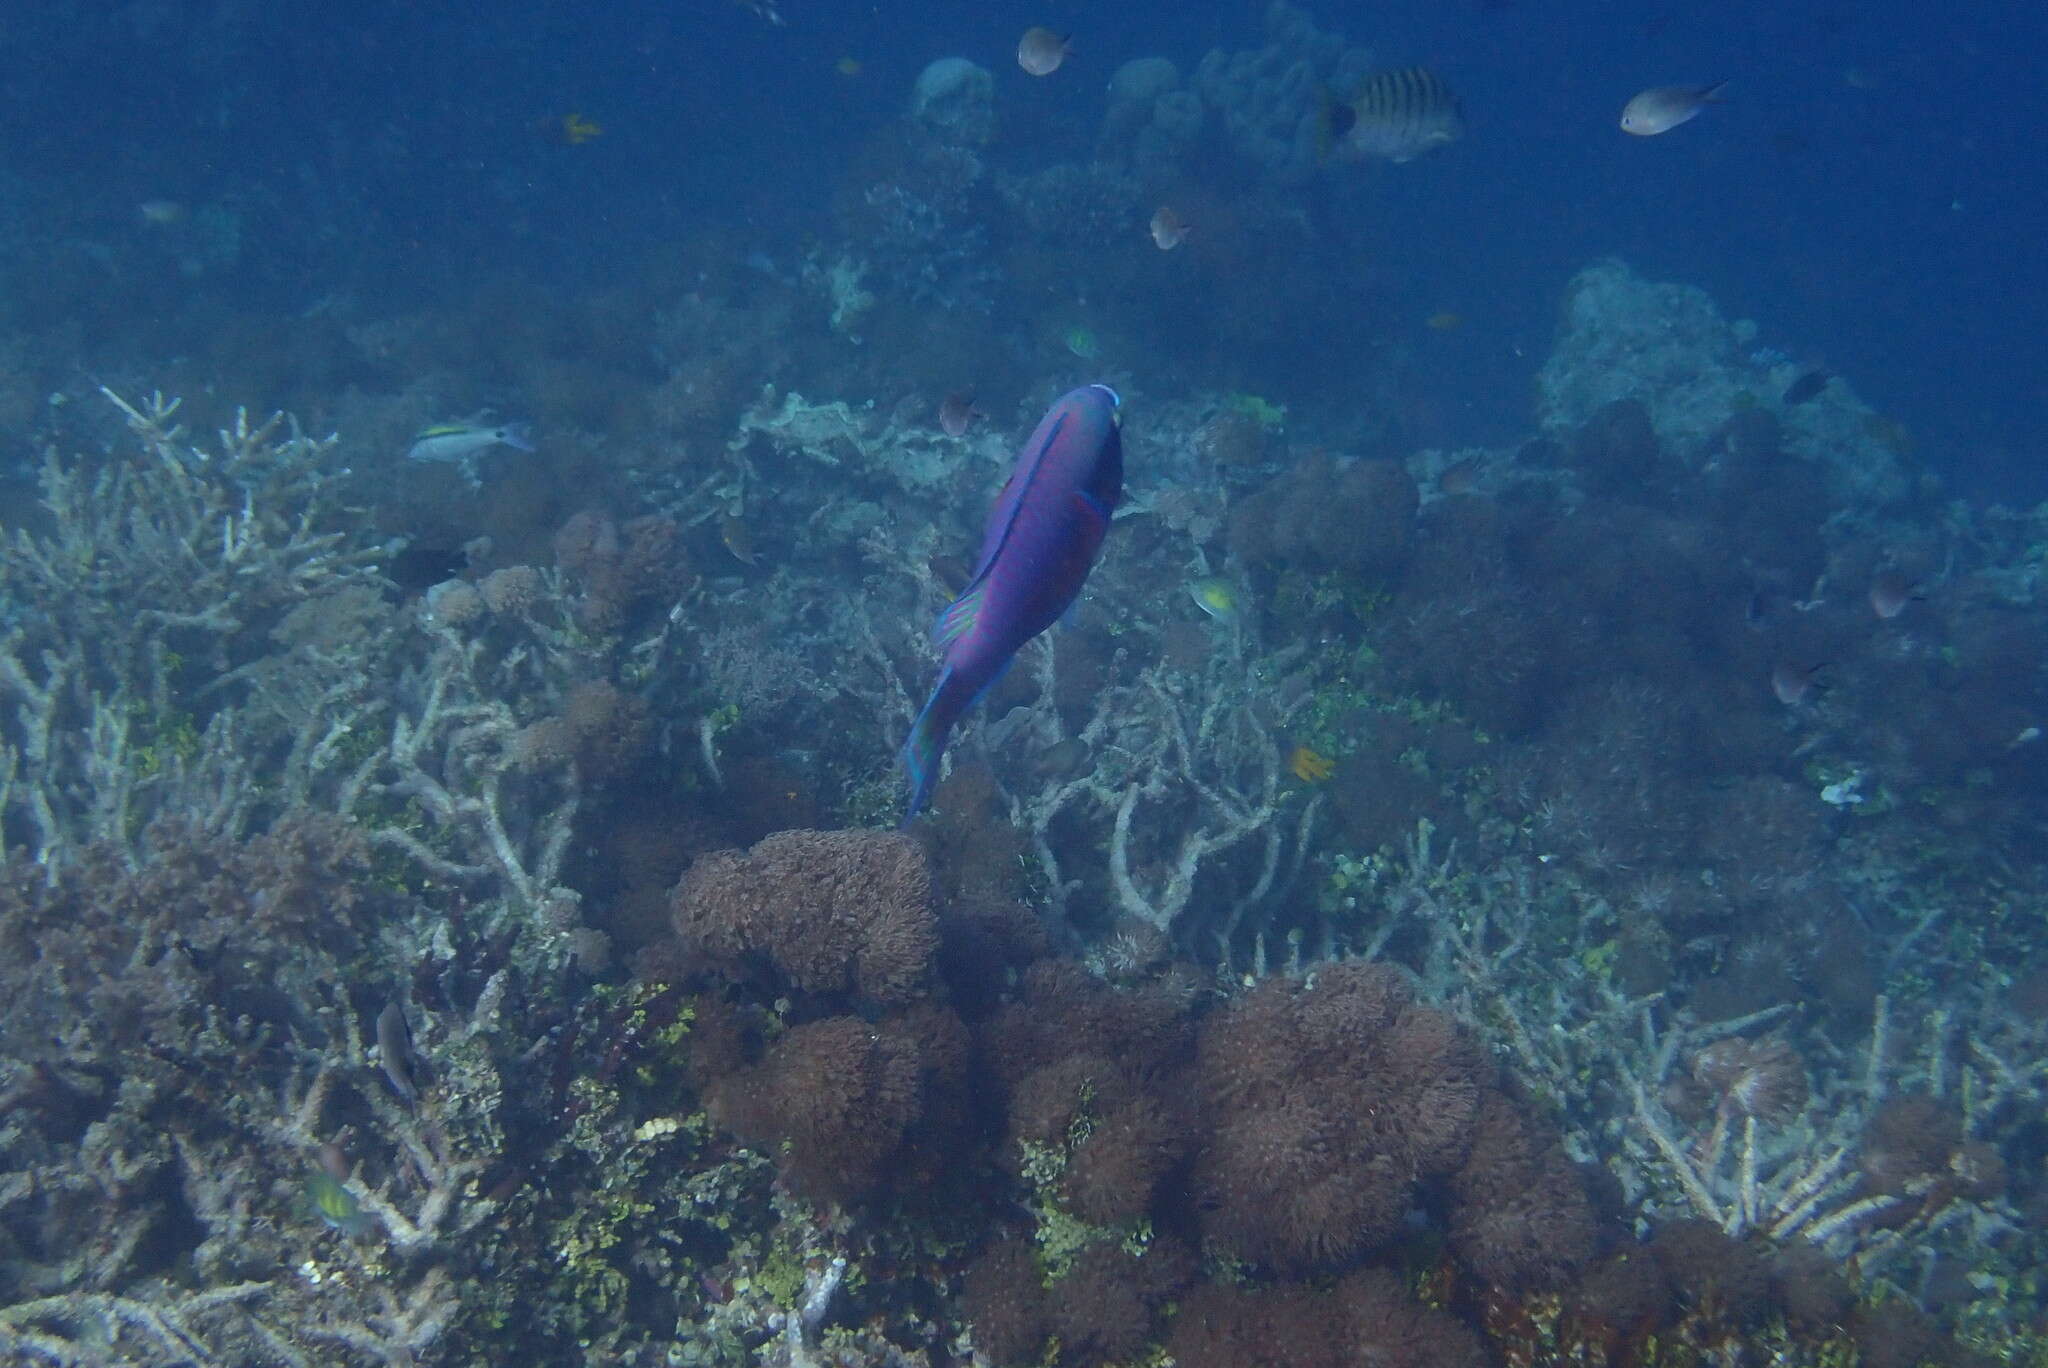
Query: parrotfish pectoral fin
{"x": 958, "y": 618}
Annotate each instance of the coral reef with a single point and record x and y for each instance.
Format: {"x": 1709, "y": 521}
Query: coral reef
{"x": 1150, "y": 120}
{"x": 1560, "y": 903}
{"x": 953, "y": 102}
{"x": 1267, "y": 97}
{"x": 1667, "y": 347}
{"x": 1359, "y": 520}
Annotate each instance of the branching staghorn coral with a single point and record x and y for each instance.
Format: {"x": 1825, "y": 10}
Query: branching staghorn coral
{"x": 384, "y": 1283}
{"x": 439, "y": 1205}
{"x": 1878, "y": 1153}
{"x": 126, "y": 620}
{"x": 77, "y": 1330}
{"x": 452, "y": 755}
{"x": 1826, "y": 1173}
{"x": 1185, "y": 768}
{"x": 202, "y": 674}
{"x": 196, "y": 610}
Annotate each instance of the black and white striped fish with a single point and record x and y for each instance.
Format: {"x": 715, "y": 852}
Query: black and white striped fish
{"x": 1396, "y": 116}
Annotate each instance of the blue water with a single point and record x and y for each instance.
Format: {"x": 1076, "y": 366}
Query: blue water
{"x": 1870, "y": 193}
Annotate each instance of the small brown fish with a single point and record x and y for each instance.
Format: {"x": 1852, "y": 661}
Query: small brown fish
{"x": 1794, "y": 683}
{"x": 334, "y": 1162}
{"x": 1663, "y": 108}
{"x": 1807, "y": 386}
{"x": 737, "y": 538}
{"x": 957, "y": 413}
{"x": 1396, "y": 116}
{"x": 1459, "y": 477}
{"x": 1169, "y": 229}
{"x": 1067, "y": 757}
{"x": 162, "y": 213}
{"x": 1040, "y": 51}
{"x": 1890, "y": 593}
{"x": 1445, "y": 321}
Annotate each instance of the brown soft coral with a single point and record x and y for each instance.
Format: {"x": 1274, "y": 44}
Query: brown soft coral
{"x": 833, "y": 912}
{"x": 1084, "y": 1059}
{"x": 1327, "y": 1103}
{"x": 1358, "y": 518}
{"x": 1367, "y": 1318}
{"x": 836, "y": 1093}
{"x": 1521, "y": 1218}
{"x": 618, "y": 571}
{"x": 839, "y": 1098}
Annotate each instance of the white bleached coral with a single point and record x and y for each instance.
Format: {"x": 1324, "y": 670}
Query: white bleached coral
{"x": 1667, "y": 346}
{"x": 1271, "y": 97}
{"x": 954, "y": 102}
{"x": 912, "y": 457}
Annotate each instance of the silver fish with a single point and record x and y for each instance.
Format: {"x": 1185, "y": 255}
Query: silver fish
{"x": 1040, "y": 51}
{"x": 395, "y": 1052}
{"x": 1396, "y": 116}
{"x": 464, "y": 441}
{"x": 1663, "y": 108}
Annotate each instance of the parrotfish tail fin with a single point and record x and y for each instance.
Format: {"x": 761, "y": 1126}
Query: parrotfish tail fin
{"x": 927, "y": 743}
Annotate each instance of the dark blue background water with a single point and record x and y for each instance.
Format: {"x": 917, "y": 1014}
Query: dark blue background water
{"x": 1873, "y": 193}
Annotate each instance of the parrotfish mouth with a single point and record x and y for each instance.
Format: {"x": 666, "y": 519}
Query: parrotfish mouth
{"x": 1116, "y": 400}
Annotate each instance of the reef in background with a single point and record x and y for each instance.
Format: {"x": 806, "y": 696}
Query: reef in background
{"x": 1563, "y": 904}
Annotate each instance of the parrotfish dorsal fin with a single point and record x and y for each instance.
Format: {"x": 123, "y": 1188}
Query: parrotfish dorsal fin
{"x": 959, "y": 616}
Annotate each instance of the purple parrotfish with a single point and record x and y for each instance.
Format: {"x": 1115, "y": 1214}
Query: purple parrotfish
{"x": 1043, "y": 535}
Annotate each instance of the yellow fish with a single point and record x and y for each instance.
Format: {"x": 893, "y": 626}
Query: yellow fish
{"x": 575, "y": 130}
{"x": 1309, "y": 766}
{"x": 335, "y": 1205}
{"x": 1217, "y": 597}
